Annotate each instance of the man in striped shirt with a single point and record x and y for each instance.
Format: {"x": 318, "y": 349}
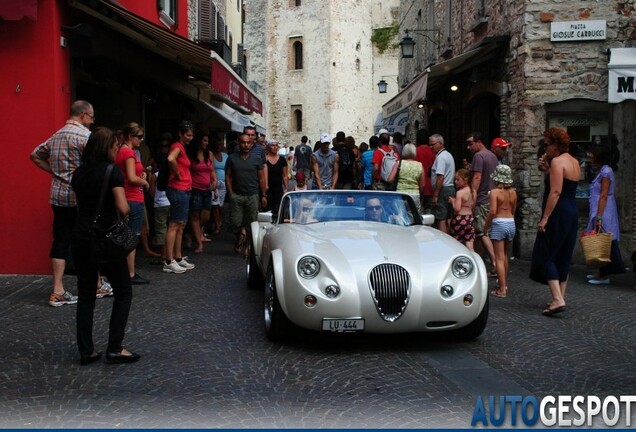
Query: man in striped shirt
{"x": 60, "y": 156}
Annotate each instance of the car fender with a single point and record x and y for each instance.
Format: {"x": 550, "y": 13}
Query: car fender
{"x": 257, "y": 232}
{"x": 483, "y": 278}
{"x": 276, "y": 261}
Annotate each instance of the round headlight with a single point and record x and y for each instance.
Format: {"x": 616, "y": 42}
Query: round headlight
{"x": 308, "y": 267}
{"x": 462, "y": 267}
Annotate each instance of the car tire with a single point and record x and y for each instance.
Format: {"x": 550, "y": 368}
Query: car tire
{"x": 475, "y": 328}
{"x": 254, "y": 277}
{"x": 276, "y": 323}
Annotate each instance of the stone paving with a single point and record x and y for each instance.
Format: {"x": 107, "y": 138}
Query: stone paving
{"x": 207, "y": 364}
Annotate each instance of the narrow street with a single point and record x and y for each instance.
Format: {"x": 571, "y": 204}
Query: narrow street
{"x": 207, "y": 364}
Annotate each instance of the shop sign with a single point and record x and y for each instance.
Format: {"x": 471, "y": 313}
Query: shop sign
{"x": 621, "y": 83}
{"x": 226, "y": 84}
{"x": 570, "y": 31}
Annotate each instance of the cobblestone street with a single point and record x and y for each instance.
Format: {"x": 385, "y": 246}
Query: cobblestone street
{"x": 207, "y": 364}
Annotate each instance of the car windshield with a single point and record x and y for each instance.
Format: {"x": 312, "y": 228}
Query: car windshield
{"x": 333, "y": 206}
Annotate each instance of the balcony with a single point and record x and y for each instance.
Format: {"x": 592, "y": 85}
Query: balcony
{"x": 218, "y": 46}
{"x": 240, "y": 70}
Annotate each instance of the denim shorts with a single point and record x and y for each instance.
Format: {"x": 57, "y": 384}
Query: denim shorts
{"x": 136, "y": 216}
{"x": 200, "y": 200}
{"x": 179, "y": 205}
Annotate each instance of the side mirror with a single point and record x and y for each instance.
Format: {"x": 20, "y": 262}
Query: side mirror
{"x": 265, "y": 217}
{"x": 428, "y": 219}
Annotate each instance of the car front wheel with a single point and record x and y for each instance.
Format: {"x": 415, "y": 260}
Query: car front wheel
{"x": 476, "y": 327}
{"x": 254, "y": 276}
{"x": 276, "y": 323}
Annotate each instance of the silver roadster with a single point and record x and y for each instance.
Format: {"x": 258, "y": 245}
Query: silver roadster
{"x": 363, "y": 261}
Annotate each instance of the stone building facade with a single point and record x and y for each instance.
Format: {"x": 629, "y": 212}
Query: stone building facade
{"x": 317, "y": 67}
{"x": 516, "y": 75}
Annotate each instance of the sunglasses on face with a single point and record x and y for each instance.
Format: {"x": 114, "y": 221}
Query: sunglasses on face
{"x": 374, "y": 208}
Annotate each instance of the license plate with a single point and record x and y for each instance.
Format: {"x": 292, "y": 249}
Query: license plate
{"x": 342, "y": 325}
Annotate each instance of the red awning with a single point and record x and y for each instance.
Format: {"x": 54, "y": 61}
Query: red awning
{"x": 14, "y": 10}
{"x": 228, "y": 85}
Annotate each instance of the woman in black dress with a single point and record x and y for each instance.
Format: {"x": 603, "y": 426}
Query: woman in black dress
{"x": 557, "y": 229}
{"x": 277, "y": 177}
{"x": 87, "y": 181}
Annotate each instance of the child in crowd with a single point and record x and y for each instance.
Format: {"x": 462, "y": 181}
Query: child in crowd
{"x": 462, "y": 226}
{"x": 501, "y": 223}
{"x": 301, "y": 184}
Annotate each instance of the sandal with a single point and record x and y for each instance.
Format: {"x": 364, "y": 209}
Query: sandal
{"x": 238, "y": 247}
{"x": 499, "y": 293}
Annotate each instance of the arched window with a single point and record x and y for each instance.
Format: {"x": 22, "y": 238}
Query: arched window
{"x": 298, "y": 120}
{"x": 298, "y": 55}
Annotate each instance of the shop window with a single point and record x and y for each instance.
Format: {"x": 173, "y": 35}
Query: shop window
{"x": 297, "y": 118}
{"x": 168, "y": 13}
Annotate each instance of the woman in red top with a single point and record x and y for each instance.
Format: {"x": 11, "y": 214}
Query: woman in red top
{"x": 203, "y": 183}
{"x": 134, "y": 184}
{"x": 178, "y": 193}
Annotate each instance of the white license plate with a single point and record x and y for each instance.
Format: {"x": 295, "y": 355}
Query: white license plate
{"x": 342, "y": 325}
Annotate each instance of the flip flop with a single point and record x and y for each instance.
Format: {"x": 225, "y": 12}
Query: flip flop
{"x": 497, "y": 293}
{"x": 556, "y": 310}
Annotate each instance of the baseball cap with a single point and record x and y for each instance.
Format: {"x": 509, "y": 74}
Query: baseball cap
{"x": 499, "y": 142}
{"x": 325, "y": 138}
{"x": 383, "y": 131}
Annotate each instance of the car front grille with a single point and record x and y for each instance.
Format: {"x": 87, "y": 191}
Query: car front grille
{"x": 390, "y": 286}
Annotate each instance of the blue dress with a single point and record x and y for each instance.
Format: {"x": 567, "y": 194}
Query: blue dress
{"x": 610, "y": 219}
{"x": 552, "y": 252}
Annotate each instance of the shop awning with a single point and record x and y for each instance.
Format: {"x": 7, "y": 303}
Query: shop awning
{"x": 622, "y": 73}
{"x": 200, "y": 62}
{"x": 396, "y": 123}
{"x": 15, "y": 10}
{"x": 417, "y": 89}
{"x": 235, "y": 120}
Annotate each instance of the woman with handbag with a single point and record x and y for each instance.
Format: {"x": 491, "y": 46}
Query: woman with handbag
{"x": 604, "y": 213}
{"x": 135, "y": 182}
{"x": 101, "y": 202}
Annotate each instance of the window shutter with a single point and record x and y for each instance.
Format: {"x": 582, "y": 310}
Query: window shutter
{"x": 220, "y": 28}
{"x": 212, "y": 20}
{"x": 204, "y": 19}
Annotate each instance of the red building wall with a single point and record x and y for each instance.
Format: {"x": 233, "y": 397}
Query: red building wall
{"x": 35, "y": 93}
{"x": 35, "y": 96}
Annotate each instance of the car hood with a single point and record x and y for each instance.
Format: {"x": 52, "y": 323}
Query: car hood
{"x": 366, "y": 242}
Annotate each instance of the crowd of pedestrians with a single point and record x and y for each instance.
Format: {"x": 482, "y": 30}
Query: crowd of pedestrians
{"x": 190, "y": 177}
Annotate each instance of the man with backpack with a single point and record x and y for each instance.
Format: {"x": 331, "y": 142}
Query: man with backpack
{"x": 347, "y": 163}
{"x": 384, "y": 161}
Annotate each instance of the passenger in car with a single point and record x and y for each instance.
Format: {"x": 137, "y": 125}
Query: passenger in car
{"x": 303, "y": 212}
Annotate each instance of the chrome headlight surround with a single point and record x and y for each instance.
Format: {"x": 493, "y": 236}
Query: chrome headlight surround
{"x": 462, "y": 267}
{"x": 308, "y": 267}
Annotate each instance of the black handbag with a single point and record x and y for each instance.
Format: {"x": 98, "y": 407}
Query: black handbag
{"x": 117, "y": 240}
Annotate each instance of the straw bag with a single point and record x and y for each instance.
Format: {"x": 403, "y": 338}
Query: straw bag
{"x": 597, "y": 247}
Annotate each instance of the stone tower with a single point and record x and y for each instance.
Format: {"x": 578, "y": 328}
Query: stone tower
{"x": 316, "y": 67}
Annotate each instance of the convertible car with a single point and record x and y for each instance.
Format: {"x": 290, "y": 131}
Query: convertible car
{"x": 363, "y": 261}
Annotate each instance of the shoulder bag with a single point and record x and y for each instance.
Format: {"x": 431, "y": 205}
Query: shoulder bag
{"x": 116, "y": 241}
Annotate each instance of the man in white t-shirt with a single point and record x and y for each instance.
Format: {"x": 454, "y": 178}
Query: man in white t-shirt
{"x": 443, "y": 180}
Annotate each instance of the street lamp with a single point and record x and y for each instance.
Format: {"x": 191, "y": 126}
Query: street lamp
{"x": 382, "y": 84}
{"x": 407, "y": 44}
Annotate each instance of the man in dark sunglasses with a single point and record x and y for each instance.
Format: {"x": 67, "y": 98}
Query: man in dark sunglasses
{"x": 374, "y": 210}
